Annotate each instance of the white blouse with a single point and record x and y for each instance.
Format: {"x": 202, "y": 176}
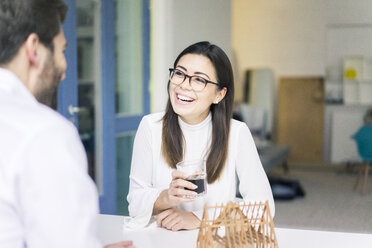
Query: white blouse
{"x": 150, "y": 174}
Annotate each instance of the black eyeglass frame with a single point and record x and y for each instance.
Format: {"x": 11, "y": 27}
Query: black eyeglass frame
{"x": 187, "y": 76}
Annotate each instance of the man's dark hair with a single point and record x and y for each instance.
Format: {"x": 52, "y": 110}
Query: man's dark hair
{"x": 20, "y": 18}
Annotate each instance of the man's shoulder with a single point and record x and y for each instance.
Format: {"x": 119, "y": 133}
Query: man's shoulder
{"x": 25, "y": 125}
{"x": 53, "y": 118}
{"x": 35, "y": 117}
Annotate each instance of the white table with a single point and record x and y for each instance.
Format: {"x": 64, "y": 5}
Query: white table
{"x": 111, "y": 231}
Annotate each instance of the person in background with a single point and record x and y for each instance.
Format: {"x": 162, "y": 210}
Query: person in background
{"x": 47, "y": 198}
{"x": 197, "y": 124}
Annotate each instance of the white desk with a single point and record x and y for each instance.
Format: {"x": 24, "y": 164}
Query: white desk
{"x": 111, "y": 230}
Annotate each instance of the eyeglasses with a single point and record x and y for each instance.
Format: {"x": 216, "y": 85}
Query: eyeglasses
{"x": 197, "y": 83}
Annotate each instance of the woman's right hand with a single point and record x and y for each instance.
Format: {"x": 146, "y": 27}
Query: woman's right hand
{"x": 180, "y": 190}
{"x": 176, "y": 194}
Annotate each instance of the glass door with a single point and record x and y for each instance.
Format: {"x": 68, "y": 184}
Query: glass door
{"x": 125, "y": 46}
{"x": 131, "y": 85}
{"x": 88, "y": 74}
{"x": 106, "y": 90}
{"x": 79, "y": 96}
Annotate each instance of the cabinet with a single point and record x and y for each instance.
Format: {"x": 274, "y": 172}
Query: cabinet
{"x": 349, "y": 84}
{"x": 349, "y": 64}
{"x": 300, "y": 118}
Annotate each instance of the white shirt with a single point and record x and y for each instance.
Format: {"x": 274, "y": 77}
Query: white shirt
{"x": 47, "y": 198}
{"x": 150, "y": 174}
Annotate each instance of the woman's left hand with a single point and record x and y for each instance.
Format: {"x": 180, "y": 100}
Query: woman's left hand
{"x": 175, "y": 219}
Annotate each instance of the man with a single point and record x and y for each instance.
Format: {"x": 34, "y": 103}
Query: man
{"x": 47, "y": 198}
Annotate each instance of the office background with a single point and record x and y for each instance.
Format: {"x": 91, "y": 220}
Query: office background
{"x": 119, "y": 52}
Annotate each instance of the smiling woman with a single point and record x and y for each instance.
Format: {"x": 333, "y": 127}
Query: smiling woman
{"x": 197, "y": 124}
{"x": 191, "y": 99}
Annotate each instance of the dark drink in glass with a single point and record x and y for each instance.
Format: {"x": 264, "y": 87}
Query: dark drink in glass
{"x": 198, "y": 181}
{"x": 196, "y": 174}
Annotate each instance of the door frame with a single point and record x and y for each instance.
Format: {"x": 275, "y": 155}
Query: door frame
{"x": 111, "y": 124}
{"x": 67, "y": 91}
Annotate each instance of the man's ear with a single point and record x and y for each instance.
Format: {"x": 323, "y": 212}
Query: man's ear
{"x": 32, "y": 42}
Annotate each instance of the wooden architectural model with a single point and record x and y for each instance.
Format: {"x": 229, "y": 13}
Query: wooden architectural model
{"x": 237, "y": 225}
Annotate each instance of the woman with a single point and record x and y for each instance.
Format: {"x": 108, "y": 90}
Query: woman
{"x": 197, "y": 124}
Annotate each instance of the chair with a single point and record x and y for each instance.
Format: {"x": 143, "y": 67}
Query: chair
{"x": 271, "y": 155}
{"x": 255, "y": 118}
{"x": 363, "y": 139}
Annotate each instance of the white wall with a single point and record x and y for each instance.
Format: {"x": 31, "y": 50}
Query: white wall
{"x": 177, "y": 24}
{"x": 289, "y": 36}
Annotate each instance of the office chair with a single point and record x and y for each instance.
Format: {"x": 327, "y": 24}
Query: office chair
{"x": 363, "y": 139}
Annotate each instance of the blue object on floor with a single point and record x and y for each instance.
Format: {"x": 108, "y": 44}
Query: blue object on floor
{"x": 283, "y": 192}
{"x": 286, "y": 189}
{"x": 363, "y": 139}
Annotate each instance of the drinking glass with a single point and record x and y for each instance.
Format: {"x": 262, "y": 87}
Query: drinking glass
{"x": 196, "y": 173}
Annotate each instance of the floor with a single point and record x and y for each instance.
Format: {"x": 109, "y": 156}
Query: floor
{"x": 330, "y": 202}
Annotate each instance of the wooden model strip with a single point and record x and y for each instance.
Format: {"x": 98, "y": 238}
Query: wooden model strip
{"x": 245, "y": 225}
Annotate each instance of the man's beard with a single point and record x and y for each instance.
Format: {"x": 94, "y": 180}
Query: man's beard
{"x": 48, "y": 85}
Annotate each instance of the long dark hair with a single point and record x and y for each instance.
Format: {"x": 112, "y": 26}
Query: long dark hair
{"x": 172, "y": 137}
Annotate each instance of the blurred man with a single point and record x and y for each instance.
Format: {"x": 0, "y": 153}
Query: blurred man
{"x": 47, "y": 198}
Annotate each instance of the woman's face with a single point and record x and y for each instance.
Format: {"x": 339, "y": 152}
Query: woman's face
{"x": 193, "y": 106}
